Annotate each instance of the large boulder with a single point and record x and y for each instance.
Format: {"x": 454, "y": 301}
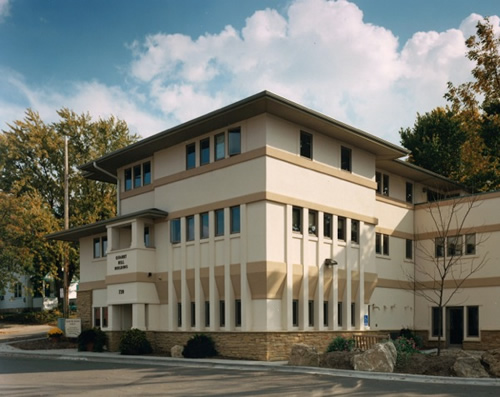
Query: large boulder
{"x": 176, "y": 351}
{"x": 304, "y": 355}
{"x": 491, "y": 359}
{"x": 469, "y": 367}
{"x": 380, "y": 358}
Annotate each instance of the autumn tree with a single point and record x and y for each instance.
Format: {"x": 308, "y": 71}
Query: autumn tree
{"x": 31, "y": 180}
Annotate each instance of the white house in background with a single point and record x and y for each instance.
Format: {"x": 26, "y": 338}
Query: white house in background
{"x": 20, "y": 297}
{"x": 265, "y": 223}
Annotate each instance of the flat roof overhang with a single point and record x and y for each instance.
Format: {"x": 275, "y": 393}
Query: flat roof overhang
{"x": 76, "y": 233}
{"x": 263, "y": 102}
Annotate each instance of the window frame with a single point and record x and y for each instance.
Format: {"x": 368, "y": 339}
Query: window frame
{"x": 137, "y": 176}
{"x": 234, "y": 139}
{"x": 190, "y": 233}
{"x": 219, "y": 222}
{"x": 295, "y": 313}
{"x": 234, "y": 219}
{"x": 326, "y": 316}
{"x": 409, "y": 192}
{"x": 355, "y": 232}
{"x": 385, "y": 244}
{"x": 439, "y": 247}
{"x": 204, "y": 225}
{"x": 341, "y": 228}
{"x": 205, "y": 151}
{"x": 175, "y": 231}
{"x": 328, "y": 225}
{"x": 436, "y": 315}
{"x": 409, "y": 249}
{"x": 237, "y": 313}
{"x": 467, "y": 250}
{"x": 190, "y": 156}
{"x": 222, "y": 313}
{"x": 310, "y": 310}
{"x": 313, "y": 222}
{"x": 306, "y": 145}
{"x": 345, "y": 158}
{"x": 218, "y": 146}
{"x": 297, "y": 219}
{"x": 472, "y": 328}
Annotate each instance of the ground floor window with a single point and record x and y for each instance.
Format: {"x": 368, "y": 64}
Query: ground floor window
{"x": 101, "y": 317}
{"x": 237, "y": 312}
{"x": 179, "y": 314}
{"x": 473, "y": 321}
{"x": 222, "y": 313}
{"x": 295, "y": 313}
{"x": 325, "y": 313}
{"x": 339, "y": 314}
{"x": 311, "y": 313}
{"x": 207, "y": 314}
{"x": 193, "y": 314}
{"x": 437, "y": 321}
{"x": 353, "y": 314}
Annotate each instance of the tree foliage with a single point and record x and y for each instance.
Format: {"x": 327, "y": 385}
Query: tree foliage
{"x": 32, "y": 187}
{"x": 472, "y": 117}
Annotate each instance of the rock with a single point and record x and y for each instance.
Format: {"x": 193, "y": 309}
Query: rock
{"x": 469, "y": 367}
{"x": 380, "y": 358}
{"x": 491, "y": 359}
{"x": 337, "y": 359}
{"x": 176, "y": 351}
{"x": 304, "y": 355}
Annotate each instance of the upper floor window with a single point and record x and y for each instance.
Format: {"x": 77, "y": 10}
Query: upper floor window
{"x": 409, "y": 249}
{"x": 100, "y": 247}
{"x": 341, "y": 223}
{"x": 234, "y": 144}
{"x": 18, "y": 290}
{"x": 354, "y": 231}
{"x": 147, "y": 237}
{"x": 204, "y": 231}
{"x": 454, "y": 245}
{"x": 190, "y": 156}
{"x": 205, "y": 151}
{"x": 313, "y": 223}
{"x": 382, "y": 183}
{"x": 381, "y": 244}
{"x": 220, "y": 146}
{"x": 234, "y": 220}
{"x": 327, "y": 225}
{"x": 439, "y": 247}
{"x": 297, "y": 219}
{"x": 470, "y": 244}
{"x": 219, "y": 222}
{"x": 137, "y": 176}
{"x": 346, "y": 159}
{"x": 409, "y": 192}
{"x": 190, "y": 228}
{"x": 306, "y": 144}
{"x": 175, "y": 231}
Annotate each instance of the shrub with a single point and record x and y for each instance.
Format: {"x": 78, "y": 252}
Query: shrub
{"x": 409, "y": 334}
{"x": 134, "y": 342}
{"x": 55, "y": 333}
{"x": 340, "y": 344}
{"x": 200, "y": 346}
{"x": 31, "y": 317}
{"x": 405, "y": 348}
{"x": 93, "y": 339}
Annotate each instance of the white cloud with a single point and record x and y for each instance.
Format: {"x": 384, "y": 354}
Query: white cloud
{"x": 4, "y": 9}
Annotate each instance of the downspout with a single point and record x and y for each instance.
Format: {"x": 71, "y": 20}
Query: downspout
{"x": 118, "y": 206}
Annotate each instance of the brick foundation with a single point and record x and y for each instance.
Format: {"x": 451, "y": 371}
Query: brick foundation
{"x": 84, "y": 308}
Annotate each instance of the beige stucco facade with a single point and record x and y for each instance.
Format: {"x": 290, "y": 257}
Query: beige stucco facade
{"x": 167, "y": 271}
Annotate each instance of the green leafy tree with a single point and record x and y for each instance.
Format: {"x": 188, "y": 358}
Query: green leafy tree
{"x": 32, "y": 171}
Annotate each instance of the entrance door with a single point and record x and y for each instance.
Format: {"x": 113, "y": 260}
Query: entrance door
{"x": 455, "y": 321}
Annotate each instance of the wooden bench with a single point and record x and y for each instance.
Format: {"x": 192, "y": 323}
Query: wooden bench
{"x": 367, "y": 341}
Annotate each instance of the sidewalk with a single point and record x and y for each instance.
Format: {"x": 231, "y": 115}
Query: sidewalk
{"x": 22, "y": 332}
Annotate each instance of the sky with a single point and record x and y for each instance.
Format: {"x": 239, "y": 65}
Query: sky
{"x": 373, "y": 64}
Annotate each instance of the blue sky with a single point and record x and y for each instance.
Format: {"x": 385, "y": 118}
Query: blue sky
{"x": 370, "y": 63}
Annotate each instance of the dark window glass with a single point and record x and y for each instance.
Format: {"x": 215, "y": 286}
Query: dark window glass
{"x": 204, "y": 231}
{"x": 385, "y": 189}
{"x": 355, "y": 231}
{"x": 345, "y": 159}
{"x": 222, "y": 313}
{"x": 306, "y": 145}
{"x": 327, "y": 225}
{"x": 97, "y": 317}
{"x": 311, "y": 313}
{"x": 409, "y": 192}
{"x": 472, "y": 320}
{"x": 205, "y": 151}
{"x": 325, "y": 313}
{"x": 190, "y": 156}
{"x": 193, "y": 314}
{"x": 313, "y": 223}
{"x": 190, "y": 228}
{"x": 339, "y": 314}
{"x": 147, "y": 237}
{"x": 386, "y": 244}
{"x": 297, "y": 219}
{"x": 175, "y": 231}
{"x": 104, "y": 246}
{"x": 207, "y": 314}
{"x": 179, "y": 314}
{"x": 220, "y": 147}
{"x": 378, "y": 179}
{"x": 295, "y": 313}
{"x": 378, "y": 243}
{"x": 454, "y": 246}
{"x": 470, "y": 244}
{"x": 146, "y": 171}
{"x": 235, "y": 219}
{"x": 137, "y": 176}
{"x": 437, "y": 321}
{"x": 128, "y": 178}
{"x": 234, "y": 144}
{"x": 237, "y": 313}
{"x": 219, "y": 222}
{"x": 439, "y": 245}
{"x": 341, "y": 228}
{"x": 105, "y": 317}
{"x": 353, "y": 314}
{"x": 97, "y": 248}
{"x": 409, "y": 249}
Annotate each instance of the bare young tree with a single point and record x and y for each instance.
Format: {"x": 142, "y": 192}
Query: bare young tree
{"x": 445, "y": 254}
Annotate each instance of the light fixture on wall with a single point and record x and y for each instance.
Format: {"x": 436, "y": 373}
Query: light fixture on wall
{"x": 330, "y": 262}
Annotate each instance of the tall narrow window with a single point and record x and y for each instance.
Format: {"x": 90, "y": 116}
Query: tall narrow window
{"x": 97, "y": 317}
{"x": 18, "y": 290}
{"x": 222, "y": 313}
{"x": 409, "y": 249}
{"x": 346, "y": 159}
{"x": 190, "y": 156}
{"x": 190, "y": 228}
{"x": 385, "y": 248}
{"x": 234, "y": 219}
{"x": 193, "y": 314}
{"x": 311, "y": 313}
{"x": 437, "y": 321}
{"x": 470, "y": 244}
{"x": 378, "y": 179}
{"x": 204, "y": 231}
{"x": 439, "y": 247}
{"x": 205, "y": 151}
{"x": 297, "y": 219}
{"x": 473, "y": 321}
{"x": 220, "y": 147}
{"x": 207, "y": 313}
{"x": 237, "y": 312}
{"x": 385, "y": 188}
{"x": 137, "y": 176}
{"x": 339, "y": 314}
{"x": 97, "y": 247}
{"x": 306, "y": 144}
{"x": 146, "y": 173}
{"x": 219, "y": 222}
{"x": 104, "y": 246}
{"x": 341, "y": 222}
{"x": 179, "y": 314}
{"x": 105, "y": 316}
{"x": 175, "y": 231}
{"x": 355, "y": 231}
{"x": 325, "y": 313}
{"x": 409, "y": 192}
{"x": 234, "y": 144}
{"x": 295, "y": 313}
{"x": 327, "y": 225}
{"x": 313, "y": 223}
{"x": 353, "y": 314}
{"x": 378, "y": 243}
{"x": 454, "y": 244}
{"x": 147, "y": 237}
{"x": 128, "y": 179}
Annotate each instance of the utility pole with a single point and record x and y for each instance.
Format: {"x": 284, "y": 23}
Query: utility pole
{"x": 66, "y": 227}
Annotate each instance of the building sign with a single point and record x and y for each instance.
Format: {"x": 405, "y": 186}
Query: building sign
{"x": 120, "y": 262}
{"x": 73, "y": 327}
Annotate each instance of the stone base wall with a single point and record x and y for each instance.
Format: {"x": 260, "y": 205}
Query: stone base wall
{"x": 84, "y": 308}
{"x": 489, "y": 340}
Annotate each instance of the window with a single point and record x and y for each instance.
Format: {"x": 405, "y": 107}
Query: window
{"x": 295, "y": 313}
{"x": 313, "y": 223}
{"x": 382, "y": 183}
{"x": 297, "y": 219}
{"x": 190, "y": 156}
{"x": 327, "y": 225}
{"x": 190, "y": 228}
{"x": 439, "y": 247}
{"x": 325, "y": 313}
{"x": 237, "y": 313}
{"x": 311, "y": 313}
{"x": 101, "y": 317}
{"x": 306, "y": 144}
{"x": 97, "y": 317}
{"x": 454, "y": 244}
{"x": 97, "y": 247}
{"x": 175, "y": 231}
{"x": 234, "y": 144}
{"x": 105, "y": 317}
{"x": 378, "y": 243}
{"x": 378, "y": 179}
{"x": 234, "y": 219}
{"x": 146, "y": 177}
{"x": 222, "y": 313}
{"x": 409, "y": 249}
{"x": 207, "y": 313}
{"x": 147, "y": 236}
{"x": 104, "y": 245}
{"x": 353, "y": 314}
{"x": 470, "y": 244}
{"x": 339, "y": 314}
{"x": 354, "y": 231}
{"x": 128, "y": 179}
{"x": 345, "y": 159}
{"x": 179, "y": 314}
{"x": 473, "y": 321}
{"x": 205, "y": 151}
{"x": 100, "y": 247}
{"x": 204, "y": 231}
{"x": 437, "y": 321}
{"x": 409, "y": 192}
{"x": 193, "y": 314}
{"x": 385, "y": 244}
{"x": 137, "y": 176}
{"x": 219, "y": 222}
{"x": 220, "y": 147}
{"x": 341, "y": 222}
{"x": 18, "y": 290}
